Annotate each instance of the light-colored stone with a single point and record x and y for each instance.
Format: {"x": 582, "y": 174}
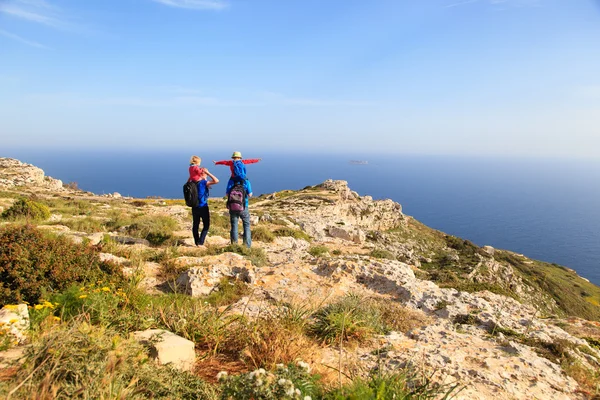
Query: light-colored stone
{"x": 14, "y": 321}
{"x": 489, "y": 250}
{"x": 350, "y": 233}
{"x": 201, "y": 279}
{"x": 168, "y": 348}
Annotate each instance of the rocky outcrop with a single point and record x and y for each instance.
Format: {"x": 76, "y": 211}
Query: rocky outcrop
{"x": 207, "y": 272}
{"x": 167, "y": 348}
{"x": 333, "y": 207}
{"x": 14, "y": 173}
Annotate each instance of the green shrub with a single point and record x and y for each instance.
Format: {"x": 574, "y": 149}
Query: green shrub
{"x": 317, "y": 251}
{"x": 257, "y": 256}
{"x": 69, "y": 207}
{"x": 228, "y": 292}
{"x": 33, "y": 263}
{"x": 350, "y": 318}
{"x": 380, "y": 253}
{"x": 28, "y": 209}
{"x": 295, "y": 233}
{"x": 405, "y": 384}
{"x": 285, "y": 382}
{"x": 156, "y": 228}
{"x": 262, "y": 234}
{"x": 86, "y": 224}
{"x": 89, "y": 362}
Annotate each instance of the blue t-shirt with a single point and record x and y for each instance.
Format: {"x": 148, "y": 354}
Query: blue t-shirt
{"x": 202, "y": 193}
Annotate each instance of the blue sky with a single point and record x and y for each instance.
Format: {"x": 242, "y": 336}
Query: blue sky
{"x": 489, "y": 77}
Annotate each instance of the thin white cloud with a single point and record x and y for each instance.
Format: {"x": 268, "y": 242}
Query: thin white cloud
{"x": 22, "y": 40}
{"x": 37, "y": 11}
{"x": 195, "y": 4}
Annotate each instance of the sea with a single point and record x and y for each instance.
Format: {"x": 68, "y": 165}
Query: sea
{"x": 546, "y": 209}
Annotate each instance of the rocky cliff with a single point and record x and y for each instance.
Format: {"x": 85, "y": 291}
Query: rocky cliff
{"x": 494, "y": 322}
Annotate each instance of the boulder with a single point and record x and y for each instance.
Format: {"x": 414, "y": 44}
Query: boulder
{"x": 350, "y": 233}
{"x": 168, "y": 348}
{"x": 14, "y": 321}
{"x": 201, "y": 279}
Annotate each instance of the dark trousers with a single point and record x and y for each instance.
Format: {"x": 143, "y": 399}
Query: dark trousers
{"x": 197, "y": 213}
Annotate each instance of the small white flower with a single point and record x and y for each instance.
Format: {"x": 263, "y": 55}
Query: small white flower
{"x": 280, "y": 366}
{"x": 282, "y": 382}
{"x": 307, "y": 398}
{"x": 258, "y": 382}
{"x": 290, "y": 391}
{"x": 304, "y": 365}
{"x": 262, "y": 371}
{"x": 252, "y": 374}
{"x": 298, "y": 392}
{"x": 221, "y": 376}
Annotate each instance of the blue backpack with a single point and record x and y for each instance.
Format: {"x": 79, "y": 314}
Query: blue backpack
{"x": 239, "y": 170}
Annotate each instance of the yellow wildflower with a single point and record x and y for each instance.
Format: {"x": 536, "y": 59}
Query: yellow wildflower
{"x": 83, "y": 296}
{"x": 13, "y": 320}
{"x": 48, "y": 304}
{"x": 105, "y": 289}
{"x": 82, "y": 288}
{"x": 56, "y": 318}
{"x": 38, "y": 306}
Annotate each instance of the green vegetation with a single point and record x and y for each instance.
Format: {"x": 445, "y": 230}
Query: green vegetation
{"x": 351, "y": 318}
{"x": 389, "y": 386}
{"x": 228, "y": 291}
{"x": 156, "y": 228}
{"x": 255, "y": 255}
{"x": 263, "y": 234}
{"x": 26, "y": 209}
{"x": 295, "y": 233}
{"x": 318, "y": 251}
{"x": 87, "y": 224}
{"x": 292, "y": 381}
{"x": 34, "y": 263}
{"x": 384, "y": 254}
{"x": 85, "y": 361}
{"x": 573, "y": 295}
{"x": 69, "y": 207}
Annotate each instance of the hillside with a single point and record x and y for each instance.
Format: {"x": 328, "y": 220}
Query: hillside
{"x": 358, "y": 291}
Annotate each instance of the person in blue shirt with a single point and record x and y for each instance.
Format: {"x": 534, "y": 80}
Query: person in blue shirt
{"x": 201, "y": 210}
{"x": 234, "y": 216}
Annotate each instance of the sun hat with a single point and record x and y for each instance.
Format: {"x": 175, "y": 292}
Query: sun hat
{"x": 236, "y": 154}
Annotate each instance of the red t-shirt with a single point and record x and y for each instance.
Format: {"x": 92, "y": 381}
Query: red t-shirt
{"x": 196, "y": 172}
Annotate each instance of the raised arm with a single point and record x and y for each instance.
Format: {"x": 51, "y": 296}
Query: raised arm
{"x": 223, "y": 162}
{"x": 214, "y": 180}
{"x": 251, "y": 160}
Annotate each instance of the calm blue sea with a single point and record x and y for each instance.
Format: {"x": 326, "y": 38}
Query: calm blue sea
{"x": 546, "y": 209}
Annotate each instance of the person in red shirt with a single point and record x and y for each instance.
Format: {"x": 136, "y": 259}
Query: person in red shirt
{"x": 196, "y": 172}
{"x": 237, "y": 156}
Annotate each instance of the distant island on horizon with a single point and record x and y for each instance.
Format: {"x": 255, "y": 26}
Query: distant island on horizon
{"x": 359, "y": 162}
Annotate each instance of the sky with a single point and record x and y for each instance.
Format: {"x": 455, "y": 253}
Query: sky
{"x": 451, "y": 77}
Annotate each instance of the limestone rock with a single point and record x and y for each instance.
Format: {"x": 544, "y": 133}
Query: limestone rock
{"x": 350, "y": 233}
{"x": 14, "y": 321}
{"x": 168, "y": 348}
{"x": 208, "y": 271}
{"x": 14, "y": 173}
{"x": 489, "y": 249}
